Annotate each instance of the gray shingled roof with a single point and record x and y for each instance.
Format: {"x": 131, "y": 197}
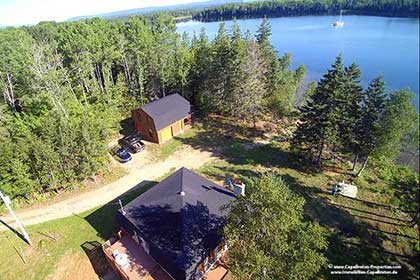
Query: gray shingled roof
{"x": 167, "y": 110}
{"x": 181, "y": 218}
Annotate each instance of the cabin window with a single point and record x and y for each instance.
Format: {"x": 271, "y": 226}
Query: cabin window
{"x": 150, "y": 133}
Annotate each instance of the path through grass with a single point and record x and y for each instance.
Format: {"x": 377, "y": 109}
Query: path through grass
{"x": 363, "y": 231}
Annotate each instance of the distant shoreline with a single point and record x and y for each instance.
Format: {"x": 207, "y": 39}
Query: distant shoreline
{"x": 355, "y": 13}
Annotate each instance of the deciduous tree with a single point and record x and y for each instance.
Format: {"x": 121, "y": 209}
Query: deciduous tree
{"x": 268, "y": 237}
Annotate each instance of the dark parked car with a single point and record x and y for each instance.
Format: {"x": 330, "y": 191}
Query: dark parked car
{"x": 123, "y": 155}
{"x": 132, "y": 143}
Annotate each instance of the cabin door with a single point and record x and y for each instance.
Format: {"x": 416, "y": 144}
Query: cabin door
{"x": 176, "y": 128}
{"x": 165, "y": 134}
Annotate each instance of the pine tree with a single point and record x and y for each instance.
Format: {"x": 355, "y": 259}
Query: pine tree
{"x": 264, "y": 32}
{"x": 202, "y": 59}
{"x": 249, "y": 98}
{"x": 282, "y": 83}
{"x": 351, "y": 109}
{"x": 320, "y": 120}
{"x": 270, "y": 55}
{"x": 368, "y": 128}
{"x": 183, "y": 61}
{"x": 216, "y": 86}
{"x": 392, "y": 120}
{"x": 236, "y": 59}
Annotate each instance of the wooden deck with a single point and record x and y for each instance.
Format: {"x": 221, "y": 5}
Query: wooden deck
{"x": 217, "y": 272}
{"x": 142, "y": 266}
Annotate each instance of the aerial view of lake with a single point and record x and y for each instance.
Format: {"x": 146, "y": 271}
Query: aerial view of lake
{"x": 379, "y": 45}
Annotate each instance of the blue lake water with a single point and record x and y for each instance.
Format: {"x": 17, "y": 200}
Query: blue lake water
{"x": 379, "y": 45}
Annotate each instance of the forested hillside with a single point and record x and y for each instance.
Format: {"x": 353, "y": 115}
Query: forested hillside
{"x": 67, "y": 86}
{"x": 278, "y": 8}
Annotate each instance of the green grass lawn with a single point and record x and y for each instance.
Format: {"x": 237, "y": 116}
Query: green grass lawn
{"x": 74, "y": 234}
{"x": 162, "y": 151}
{"x": 364, "y": 231}
{"x": 367, "y": 230}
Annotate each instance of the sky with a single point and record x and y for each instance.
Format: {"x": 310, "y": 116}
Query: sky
{"x": 22, "y": 12}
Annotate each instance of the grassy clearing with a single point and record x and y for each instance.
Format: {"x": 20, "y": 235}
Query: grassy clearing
{"x": 367, "y": 230}
{"x": 78, "y": 234}
{"x": 103, "y": 178}
{"x": 162, "y": 151}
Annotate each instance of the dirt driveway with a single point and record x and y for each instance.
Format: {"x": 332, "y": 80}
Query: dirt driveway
{"x": 141, "y": 168}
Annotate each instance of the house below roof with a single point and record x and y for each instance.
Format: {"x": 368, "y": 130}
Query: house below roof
{"x": 178, "y": 223}
{"x": 160, "y": 120}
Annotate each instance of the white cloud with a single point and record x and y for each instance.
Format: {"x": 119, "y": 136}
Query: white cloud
{"x": 20, "y": 12}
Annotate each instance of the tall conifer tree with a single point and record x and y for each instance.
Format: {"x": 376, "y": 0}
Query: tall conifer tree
{"x": 319, "y": 124}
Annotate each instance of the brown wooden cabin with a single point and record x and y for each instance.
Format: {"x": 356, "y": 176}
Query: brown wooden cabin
{"x": 160, "y": 120}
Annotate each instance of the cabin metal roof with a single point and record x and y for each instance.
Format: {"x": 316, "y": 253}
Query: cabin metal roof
{"x": 167, "y": 110}
{"x": 181, "y": 218}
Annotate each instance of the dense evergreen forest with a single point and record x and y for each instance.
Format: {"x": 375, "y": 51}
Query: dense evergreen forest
{"x": 280, "y": 8}
{"x": 67, "y": 86}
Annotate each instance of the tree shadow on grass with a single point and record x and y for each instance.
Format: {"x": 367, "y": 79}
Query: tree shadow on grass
{"x": 375, "y": 204}
{"x": 345, "y": 229}
{"x": 384, "y": 233}
{"x": 376, "y": 220}
{"x": 378, "y": 215}
{"x": 104, "y": 218}
{"x": 235, "y": 144}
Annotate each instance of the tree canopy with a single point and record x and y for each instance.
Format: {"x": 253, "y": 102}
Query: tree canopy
{"x": 66, "y": 87}
{"x": 340, "y": 116}
{"x": 268, "y": 237}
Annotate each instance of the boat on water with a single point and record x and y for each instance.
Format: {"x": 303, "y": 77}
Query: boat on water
{"x": 340, "y": 22}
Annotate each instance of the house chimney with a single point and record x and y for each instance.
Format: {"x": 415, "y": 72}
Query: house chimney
{"x": 238, "y": 187}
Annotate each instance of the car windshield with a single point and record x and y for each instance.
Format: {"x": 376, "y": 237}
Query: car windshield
{"x": 132, "y": 138}
{"x": 122, "y": 152}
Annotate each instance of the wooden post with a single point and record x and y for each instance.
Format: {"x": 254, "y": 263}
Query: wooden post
{"x": 7, "y": 202}
{"x": 356, "y": 158}
{"x": 363, "y": 166}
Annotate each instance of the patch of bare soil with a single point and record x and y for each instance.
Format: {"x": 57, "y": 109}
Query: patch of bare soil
{"x": 140, "y": 169}
{"x": 74, "y": 267}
